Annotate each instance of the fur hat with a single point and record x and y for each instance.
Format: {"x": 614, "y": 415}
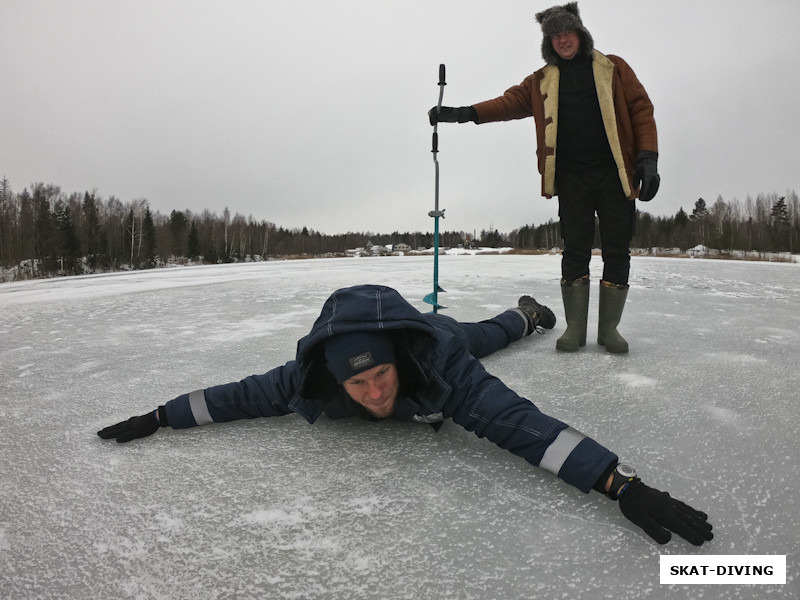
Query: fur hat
{"x": 349, "y": 354}
{"x": 563, "y": 18}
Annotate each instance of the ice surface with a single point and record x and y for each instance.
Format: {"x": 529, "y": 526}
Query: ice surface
{"x": 706, "y": 406}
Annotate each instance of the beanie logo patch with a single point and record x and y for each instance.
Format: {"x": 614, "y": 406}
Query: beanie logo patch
{"x": 361, "y": 362}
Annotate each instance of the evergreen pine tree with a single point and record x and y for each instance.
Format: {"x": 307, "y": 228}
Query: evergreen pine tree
{"x": 148, "y": 240}
{"x": 92, "y": 231}
{"x": 66, "y": 244}
{"x": 779, "y": 211}
{"x": 177, "y": 228}
{"x": 194, "y": 242}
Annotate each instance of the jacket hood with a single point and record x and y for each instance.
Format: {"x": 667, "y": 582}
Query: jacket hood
{"x": 356, "y": 309}
{"x": 361, "y": 308}
{"x": 563, "y": 18}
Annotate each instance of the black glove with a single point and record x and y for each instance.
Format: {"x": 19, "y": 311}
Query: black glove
{"x": 136, "y": 427}
{"x": 646, "y": 177}
{"x": 448, "y": 114}
{"x": 658, "y": 514}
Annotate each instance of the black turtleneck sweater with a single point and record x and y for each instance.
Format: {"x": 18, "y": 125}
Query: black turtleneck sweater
{"x": 582, "y": 142}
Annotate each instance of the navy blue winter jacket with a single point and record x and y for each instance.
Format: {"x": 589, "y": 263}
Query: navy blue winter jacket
{"x": 439, "y": 380}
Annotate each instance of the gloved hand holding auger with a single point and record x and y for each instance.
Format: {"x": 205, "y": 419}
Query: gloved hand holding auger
{"x": 448, "y": 114}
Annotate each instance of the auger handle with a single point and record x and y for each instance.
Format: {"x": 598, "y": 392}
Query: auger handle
{"x": 442, "y": 83}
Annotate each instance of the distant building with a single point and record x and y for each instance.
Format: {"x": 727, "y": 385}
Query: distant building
{"x": 401, "y": 247}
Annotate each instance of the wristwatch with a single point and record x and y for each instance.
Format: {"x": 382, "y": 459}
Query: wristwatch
{"x": 621, "y": 477}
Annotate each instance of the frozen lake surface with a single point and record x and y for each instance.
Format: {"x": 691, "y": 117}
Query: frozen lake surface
{"x": 706, "y": 406}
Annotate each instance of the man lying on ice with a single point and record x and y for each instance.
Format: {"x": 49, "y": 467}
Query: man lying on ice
{"x": 371, "y": 354}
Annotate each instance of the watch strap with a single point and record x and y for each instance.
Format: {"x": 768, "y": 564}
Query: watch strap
{"x": 619, "y": 483}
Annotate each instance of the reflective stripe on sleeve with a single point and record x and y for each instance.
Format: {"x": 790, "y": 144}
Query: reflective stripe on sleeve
{"x": 558, "y": 452}
{"x": 197, "y": 402}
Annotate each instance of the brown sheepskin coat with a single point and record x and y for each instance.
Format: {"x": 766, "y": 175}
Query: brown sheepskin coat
{"x": 624, "y": 104}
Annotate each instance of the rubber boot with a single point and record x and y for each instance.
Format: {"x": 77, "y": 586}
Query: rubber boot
{"x": 575, "y": 295}
{"x": 612, "y": 303}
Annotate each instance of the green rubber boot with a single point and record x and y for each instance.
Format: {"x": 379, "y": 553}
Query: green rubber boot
{"x": 612, "y": 303}
{"x": 575, "y": 295}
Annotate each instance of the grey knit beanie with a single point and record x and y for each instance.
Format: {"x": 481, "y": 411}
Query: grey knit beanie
{"x": 349, "y": 354}
{"x": 563, "y": 18}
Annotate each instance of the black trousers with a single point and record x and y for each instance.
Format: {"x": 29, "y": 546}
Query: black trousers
{"x": 580, "y": 196}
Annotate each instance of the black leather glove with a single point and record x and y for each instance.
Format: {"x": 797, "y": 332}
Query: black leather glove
{"x": 135, "y": 427}
{"x": 658, "y": 514}
{"x": 646, "y": 177}
{"x": 448, "y": 114}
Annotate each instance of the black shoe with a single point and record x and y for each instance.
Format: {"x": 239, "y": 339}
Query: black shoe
{"x": 539, "y": 315}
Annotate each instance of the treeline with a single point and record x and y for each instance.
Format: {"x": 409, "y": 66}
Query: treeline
{"x": 44, "y": 231}
{"x": 768, "y": 223}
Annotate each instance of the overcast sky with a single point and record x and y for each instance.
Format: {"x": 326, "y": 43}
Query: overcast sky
{"x": 313, "y": 113}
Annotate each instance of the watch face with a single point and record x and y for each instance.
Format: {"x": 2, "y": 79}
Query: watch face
{"x": 626, "y": 471}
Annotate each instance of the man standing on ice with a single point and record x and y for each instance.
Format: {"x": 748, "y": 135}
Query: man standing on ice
{"x": 597, "y": 149}
{"x": 371, "y": 354}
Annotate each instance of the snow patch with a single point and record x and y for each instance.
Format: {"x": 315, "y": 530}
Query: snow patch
{"x": 723, "y": 415}
{"x": 634, "y": 380}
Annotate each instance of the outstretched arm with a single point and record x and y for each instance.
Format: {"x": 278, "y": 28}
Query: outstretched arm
{"x": 266, "y": 395}
{"x": 483, "y": 404}
{"x": 515, "y": 103}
